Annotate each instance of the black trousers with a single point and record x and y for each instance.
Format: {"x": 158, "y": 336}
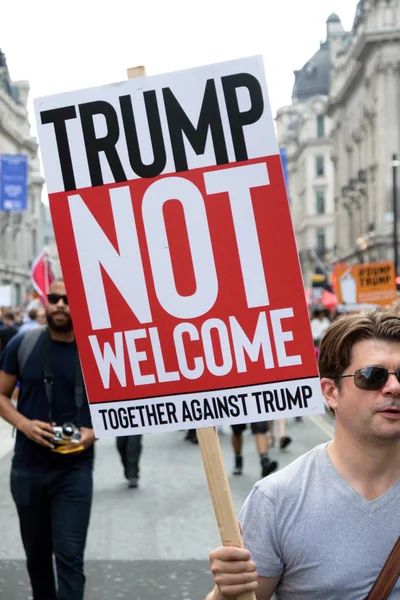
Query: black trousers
{"x": 130, "y": 449}
{"x": 54, "y": 510}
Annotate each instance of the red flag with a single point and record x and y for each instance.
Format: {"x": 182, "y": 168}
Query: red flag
{"x": 42, "y": 275}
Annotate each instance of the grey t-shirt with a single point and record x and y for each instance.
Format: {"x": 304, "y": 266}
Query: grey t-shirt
{"x": 307, "y": 524}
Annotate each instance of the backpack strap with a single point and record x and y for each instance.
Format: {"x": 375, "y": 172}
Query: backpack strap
{"x": 27, "y": 345}
{"x": 388, "y": 576}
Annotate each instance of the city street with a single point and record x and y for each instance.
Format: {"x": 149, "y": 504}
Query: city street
{"x": 192, "y": 232}
{"x": 151, "y": 542}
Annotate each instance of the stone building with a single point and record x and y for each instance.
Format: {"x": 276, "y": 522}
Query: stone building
{"x": 49, "y": 242}
{"x": 20, "y": 232}
{"x": 303, "y": 129}
{"x": 364, "y": 111}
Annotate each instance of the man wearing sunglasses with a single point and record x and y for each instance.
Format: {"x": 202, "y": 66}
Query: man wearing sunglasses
{"x": 324, "y": 526}
{"x": 52, "y": 490}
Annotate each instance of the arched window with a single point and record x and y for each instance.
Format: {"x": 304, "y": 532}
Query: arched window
{"x": 320, "y": 126}
{"x": 321, "y": 243}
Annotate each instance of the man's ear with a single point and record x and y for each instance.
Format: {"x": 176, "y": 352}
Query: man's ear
{"x": 330, "y": 392}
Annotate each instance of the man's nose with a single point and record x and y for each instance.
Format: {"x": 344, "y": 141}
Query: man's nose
{"x": 392, "y": 386}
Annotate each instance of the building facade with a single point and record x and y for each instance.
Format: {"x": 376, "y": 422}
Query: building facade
{"x": 21, "y": 233}
{"x": 49, "y": 242}
{"x": 364, "y": 110}
{"x": 304, "y": 130}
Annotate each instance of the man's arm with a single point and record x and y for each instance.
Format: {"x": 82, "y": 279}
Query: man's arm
{"x": 37, "y": 431}
{"x": 265, "y": 590}
{"x": 87, "y": 437}
{"x": 235, "y": 574}
{"x": 7, "y": 409}
{"x": 266, "y": 587}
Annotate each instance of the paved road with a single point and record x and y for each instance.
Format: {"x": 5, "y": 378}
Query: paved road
{"x": 151, "y": 543}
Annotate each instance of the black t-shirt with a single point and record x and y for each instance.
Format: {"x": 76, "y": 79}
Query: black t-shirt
{"x": 7, "y": 332}
{"x": 33, "y": 403}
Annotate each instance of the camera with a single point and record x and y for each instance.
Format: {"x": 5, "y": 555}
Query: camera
{"x": 66, "y": 434}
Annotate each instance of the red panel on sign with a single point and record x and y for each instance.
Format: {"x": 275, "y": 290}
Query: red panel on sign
{"x": 157, "y": 357}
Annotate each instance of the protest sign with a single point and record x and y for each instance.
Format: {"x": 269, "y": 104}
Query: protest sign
{"x": 6, "y": 295}
{"x": 213, "y": 463}
{"x": 176, "y": 244}
{"x": 366, "y": 284}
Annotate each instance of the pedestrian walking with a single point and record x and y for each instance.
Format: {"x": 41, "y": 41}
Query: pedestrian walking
{"x": 51, "y": 473}
{"x": 191, "y": 436}
{"x": 130, "y": 450}
{"x": 319, "y": 324}
{"x": 8, "y": 330}
{"x": 259, "y": 431}
{"x": 36, "y": 318}
{"x": 324, "y": 526}
{"x": 284, "y": 439}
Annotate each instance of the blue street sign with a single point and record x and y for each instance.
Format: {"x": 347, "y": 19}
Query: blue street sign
{"x": 284, "y": 167}
{"x": 13, "y": 181}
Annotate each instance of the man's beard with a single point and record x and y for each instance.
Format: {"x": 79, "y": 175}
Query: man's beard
{"x": 64, "y": 328}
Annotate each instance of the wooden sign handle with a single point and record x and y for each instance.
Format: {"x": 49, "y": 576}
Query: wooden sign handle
{"x": 220, "y": 491}
{"x": 134, "y": 72}
{"x": 214, "y": 463}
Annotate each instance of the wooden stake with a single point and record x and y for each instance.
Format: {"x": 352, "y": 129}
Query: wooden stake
{"x": 213, "y": 461}
{"x": 220, "y": 491}
{"x": 134, "y": 72}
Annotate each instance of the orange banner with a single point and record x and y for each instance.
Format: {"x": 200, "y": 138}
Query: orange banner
{"x": 373, "y": 283}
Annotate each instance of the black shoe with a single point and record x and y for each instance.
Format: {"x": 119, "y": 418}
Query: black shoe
{"x": 285, "y": 441}
{"x": 268, "y": 466}
{"x": 238, "y": 465}
{"x": 133, "y": 482}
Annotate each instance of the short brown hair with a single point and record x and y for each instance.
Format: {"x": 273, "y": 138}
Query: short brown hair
{"x": 340, "y": 337}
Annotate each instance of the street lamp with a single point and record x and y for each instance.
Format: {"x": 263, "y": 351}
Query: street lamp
{"x": 395, "y": 164}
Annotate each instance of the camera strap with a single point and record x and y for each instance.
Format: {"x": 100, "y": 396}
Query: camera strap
{"x": 49, "y": 380}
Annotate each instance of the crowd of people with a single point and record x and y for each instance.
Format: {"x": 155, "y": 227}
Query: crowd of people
{"x": 337, "y": 505}
{"x": 265, "y": 437}
{"x": 17, "y": 321}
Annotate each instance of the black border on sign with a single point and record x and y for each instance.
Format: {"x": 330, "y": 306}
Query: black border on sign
{"x": 235, "y": 387}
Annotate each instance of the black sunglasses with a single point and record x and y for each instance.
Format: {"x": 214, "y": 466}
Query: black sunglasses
{"x": 371, "y": 378}
{"x": 55, "y": 298}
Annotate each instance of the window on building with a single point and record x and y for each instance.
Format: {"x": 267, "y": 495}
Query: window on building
{"x": 34, "y": 242}
{"x": 33, "y": 203}
{"x": 321, "y": 243}
{"x": 9, "y": 244}
{"x": 319, "y": 166}
{"x": 320, "y": 198}
{"x": 320, "y": 126}
{"x": 17, "y": 245}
